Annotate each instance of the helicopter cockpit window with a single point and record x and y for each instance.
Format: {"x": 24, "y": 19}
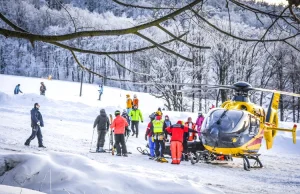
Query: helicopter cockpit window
{"x": 254, "y": 126}
{"x": 224, "y": 120}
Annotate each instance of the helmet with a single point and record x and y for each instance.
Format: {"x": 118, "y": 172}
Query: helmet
{"x": 117, "y": 112}
{"x": 158, "y": 113}
{"x": 134, "y": 95}
{"x": 200, "y": 114}
{"x": 127, "y": 95}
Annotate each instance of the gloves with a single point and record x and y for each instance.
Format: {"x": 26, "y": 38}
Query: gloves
{"x": 146, "y": 137}
{"x": 38, "y": 123}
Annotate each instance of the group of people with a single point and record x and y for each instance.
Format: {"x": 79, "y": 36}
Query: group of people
{"x": 17, "y": 89}
{"x": 158, "y": 130}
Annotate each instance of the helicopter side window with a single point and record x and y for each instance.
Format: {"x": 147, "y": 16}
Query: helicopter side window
{"x": 254, "y": 126}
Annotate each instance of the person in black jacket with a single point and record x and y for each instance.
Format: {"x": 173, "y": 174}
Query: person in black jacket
{"x": 36, "y": 123}
{"x": 102, "y": 123}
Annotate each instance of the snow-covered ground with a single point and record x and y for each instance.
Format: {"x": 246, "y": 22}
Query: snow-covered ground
{"x": 66, "y": 166}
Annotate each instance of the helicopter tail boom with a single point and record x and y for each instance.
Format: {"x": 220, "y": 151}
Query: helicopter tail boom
{"x": 293, "y": 131}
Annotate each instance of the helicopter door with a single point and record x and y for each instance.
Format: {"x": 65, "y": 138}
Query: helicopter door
{"x": 254, "y": 126}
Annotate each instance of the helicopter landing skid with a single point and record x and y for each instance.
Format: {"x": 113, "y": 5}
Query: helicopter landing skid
{"x": 208, "y": 157}
{"x": 246, "y": 162}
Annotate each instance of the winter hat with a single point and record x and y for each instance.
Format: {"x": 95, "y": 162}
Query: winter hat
{"x": 180, "y": 122}
{"x": 117, "y": 112}
{"x": 102, "y": 110}
{"x": 166, "y": 116}
{"x": 134, "y": 96}
{"x": 127, "y": 95}
{"x": 200, "y": 114}
{"x": 35, "y": 104}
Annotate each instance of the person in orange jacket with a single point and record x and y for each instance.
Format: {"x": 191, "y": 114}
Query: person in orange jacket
{"x": 188, "y": 136}
{"x": 177, "y": 132}
{"x": 119, "y": 124}
{"x": 191, "y": 125}
{"x": 135, "y": 101}
{"x": 128, "y": 103}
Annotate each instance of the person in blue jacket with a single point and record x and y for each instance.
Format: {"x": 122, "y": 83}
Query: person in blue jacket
{"x": 100, "y": 91}
{"x": 36, "y": 123}
{"x": 17, "y": 89}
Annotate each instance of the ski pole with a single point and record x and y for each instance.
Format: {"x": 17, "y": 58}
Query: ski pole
{"x": 92, "y": 139}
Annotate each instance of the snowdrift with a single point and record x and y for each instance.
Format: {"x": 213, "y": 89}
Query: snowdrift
{"x": 77, "y": 174}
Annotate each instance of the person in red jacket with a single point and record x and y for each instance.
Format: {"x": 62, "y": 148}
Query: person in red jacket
{"x": 177, "y": 131}
{"x": 191, "y": 135}
{"x": 119, "y": 124}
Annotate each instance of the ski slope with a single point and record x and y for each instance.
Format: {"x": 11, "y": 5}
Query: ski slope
{"x": 67, "y": 166}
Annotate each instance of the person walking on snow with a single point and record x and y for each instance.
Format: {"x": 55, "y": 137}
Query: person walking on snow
{"x": 135, "y": 101}
{"x": 128, "y": 103}
{"x": 119, "y": 124}
{"x": 17, "y": 89}
{"x": 177, "y": 132}
{"x": 100, "y": 91}
{"x": 125, "y": 115}
{"x": 42, "y": 89}
{"x": 36, "y": 123}
{"x": 136, "y": 116}
{"x": 149, "y": 135}
{"x": 102, "y": 123}
{"x": 158, "y": 135}
{"x": 199, "y": 122}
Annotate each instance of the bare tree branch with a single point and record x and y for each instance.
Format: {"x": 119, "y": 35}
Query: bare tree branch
{"x": 142, "y": 7}
{"x": 132, "y": 30}
{"x": 164, "y": 48}
{"x": 179, "y": 39}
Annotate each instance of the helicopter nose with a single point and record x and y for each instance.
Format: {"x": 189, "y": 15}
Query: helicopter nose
{"x": 214, "y": 133}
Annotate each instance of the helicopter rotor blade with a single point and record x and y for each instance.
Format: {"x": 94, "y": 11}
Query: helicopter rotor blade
{"x": 276, "y": 91}
{"x": 207, "y": 87}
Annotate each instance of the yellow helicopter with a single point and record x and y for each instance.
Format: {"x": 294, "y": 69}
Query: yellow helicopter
{"x": 237, "y": 128}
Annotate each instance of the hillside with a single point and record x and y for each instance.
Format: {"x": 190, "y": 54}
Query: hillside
{"x": 67, "y": 166}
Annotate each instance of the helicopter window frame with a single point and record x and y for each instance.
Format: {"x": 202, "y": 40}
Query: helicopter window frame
{"x": 234, "y": 116}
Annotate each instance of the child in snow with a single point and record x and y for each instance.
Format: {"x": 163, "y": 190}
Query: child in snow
{"x": 167, "y": 123}
{"x": 125, "y": 115}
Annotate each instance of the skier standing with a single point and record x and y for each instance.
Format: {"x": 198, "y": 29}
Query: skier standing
{"x": 102, "y": 123}
{"x": 119, "y": 125}
{"x": 17, "y": 89}
{"x": 136, "y": 116}
{"x": 36, "y": 123}
{"x": 42, "y": 89}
